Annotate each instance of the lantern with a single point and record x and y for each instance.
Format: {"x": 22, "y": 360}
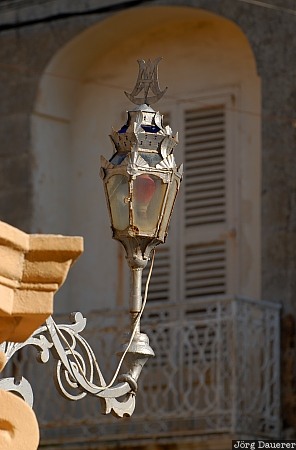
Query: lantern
{"x": 141, "y": 179}
{"x": 141, "y": 182}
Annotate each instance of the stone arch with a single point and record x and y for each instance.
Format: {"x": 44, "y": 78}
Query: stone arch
{"x": 81, "y": 96}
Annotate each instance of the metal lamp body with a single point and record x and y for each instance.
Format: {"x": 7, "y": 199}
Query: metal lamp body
{"x": 141, "y": 183}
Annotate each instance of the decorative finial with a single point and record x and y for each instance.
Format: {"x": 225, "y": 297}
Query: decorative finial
{"x": 147, "y": 80}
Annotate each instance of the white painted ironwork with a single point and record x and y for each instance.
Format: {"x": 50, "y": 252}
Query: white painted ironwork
{"x": 77, "y": 372}
{"x": 216, "y": 370}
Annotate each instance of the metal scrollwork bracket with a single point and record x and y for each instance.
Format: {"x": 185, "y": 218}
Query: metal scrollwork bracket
{"x": 77, "y": 372}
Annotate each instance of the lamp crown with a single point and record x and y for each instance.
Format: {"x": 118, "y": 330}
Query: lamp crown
{"x": 144, "y": 132}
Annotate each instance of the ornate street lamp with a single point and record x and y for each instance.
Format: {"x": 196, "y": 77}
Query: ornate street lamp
{"x": 141, "y": 181}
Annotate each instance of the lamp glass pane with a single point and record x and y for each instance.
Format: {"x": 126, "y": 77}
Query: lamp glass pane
{"x": 148, "y": 196}
{"x": 173, "y": 189}
{"x": 118, "y": 193}
{"x": 170, "y": 204}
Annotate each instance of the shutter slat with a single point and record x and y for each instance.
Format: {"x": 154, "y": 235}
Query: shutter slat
{"x": 204, "y": 178}
{"x": 202, "y": 146}
{"x": 192, "y": 276}
{"x": 209, "y": 199}
{"x": 214, "y": 290}
{"x": 213, "y": 186}
{"x": 201, "y": 171}
{"x": 204, "y": 162}
{"x": 196, "y": 138}
{"x": 208, "y": 210}
{"x": 204, "y": 112}
{"x": 196, "y": 130}
{"x": 204, "y": 154}
{"x": 201, "y": 283}
{"x": 206, "y": 116}
{"x": 206, "y": 261}
{"x": 219, "y": 218}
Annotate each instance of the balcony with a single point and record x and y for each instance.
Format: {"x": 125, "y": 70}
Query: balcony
{"x": 216, "y": 373}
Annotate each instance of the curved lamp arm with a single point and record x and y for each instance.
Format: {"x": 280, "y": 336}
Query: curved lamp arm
{"x": 77, "y": 371}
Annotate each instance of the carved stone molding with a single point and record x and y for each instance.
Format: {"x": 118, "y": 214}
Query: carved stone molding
{"x": 32, "y": 269}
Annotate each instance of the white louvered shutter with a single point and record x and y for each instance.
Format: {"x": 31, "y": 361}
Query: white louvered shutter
{"x": 208, "y": 224}
{"x": 205, "y": 162}
{"x": 200, "y": 257}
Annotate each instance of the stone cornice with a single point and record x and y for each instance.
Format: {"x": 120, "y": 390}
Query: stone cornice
{"x": 32, "y": 269}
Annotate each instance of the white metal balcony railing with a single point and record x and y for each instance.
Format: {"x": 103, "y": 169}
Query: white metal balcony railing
{"x": 216, "y": 370}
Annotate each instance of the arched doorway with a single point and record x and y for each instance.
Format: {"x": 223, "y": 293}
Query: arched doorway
{"x": 208, "y": 64}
